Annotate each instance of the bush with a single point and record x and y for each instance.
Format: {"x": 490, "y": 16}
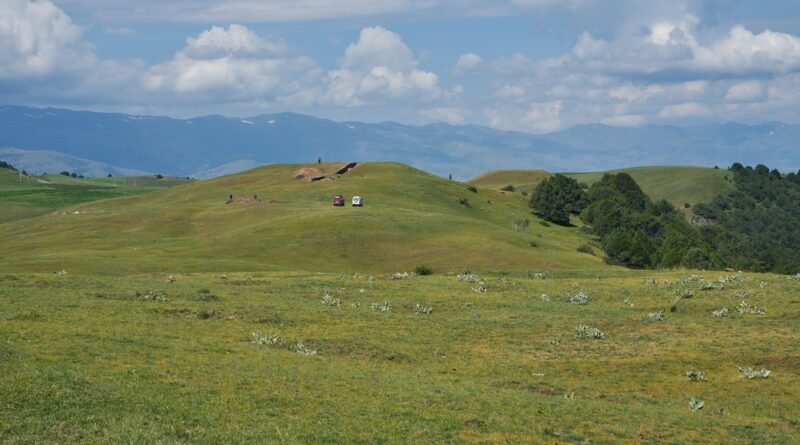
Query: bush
{"x": 423, "y": 269}
{"x": 465, "y": 202}
{"x": 473, "y": 189}
{"x": 585, "y": 248}
{"x": 508, "y": 188}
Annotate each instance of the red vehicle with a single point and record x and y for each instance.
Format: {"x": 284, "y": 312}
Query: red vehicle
{"x": 338, "y": 201}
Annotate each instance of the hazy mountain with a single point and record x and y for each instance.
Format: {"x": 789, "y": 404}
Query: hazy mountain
{"x": 214, "y": 145}
{"x": 47, "y": 161}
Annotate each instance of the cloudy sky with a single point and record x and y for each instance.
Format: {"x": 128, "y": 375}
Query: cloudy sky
{"x": 529, "y": 65}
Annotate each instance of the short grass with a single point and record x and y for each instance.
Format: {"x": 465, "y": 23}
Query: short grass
{"x": 409, "y": 218}
{"x": 88, "y": 359}
{"x": 522, "y": 180}
{"x": 24, "y": 197}
{"x": 678, "y": 185}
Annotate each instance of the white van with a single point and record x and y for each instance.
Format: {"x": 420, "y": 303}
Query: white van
{"x": 357, "y": 201}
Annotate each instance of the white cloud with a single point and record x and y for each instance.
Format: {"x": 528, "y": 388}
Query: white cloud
{"x": 684, "y": 110}
{"x": 377, "y": 68}
{"x": 230, "y": 64}
{"x": 39, "y": 39}
{"x": 468, "y": 62}
{"x": 745, "y": 91}
{"x": 629, "y": 120}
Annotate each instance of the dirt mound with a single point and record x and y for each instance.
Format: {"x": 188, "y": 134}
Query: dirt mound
{"x": 309, "y": 173}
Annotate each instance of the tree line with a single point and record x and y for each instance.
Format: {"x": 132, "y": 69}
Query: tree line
{"x": 754, "y": 227}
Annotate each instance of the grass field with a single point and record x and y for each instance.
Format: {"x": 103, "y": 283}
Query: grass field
{"x": 678, "y": 185}
{"x": 25, "y": 197}
{"x": 137, "y": 359}
{"x": 522, "y": 180}
{"x": 409, "y": 218}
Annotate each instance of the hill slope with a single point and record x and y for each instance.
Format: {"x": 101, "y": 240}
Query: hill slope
{"x": 525, "y": 180}
{"x": 410, "y": 217}
{"x": 678, "y": 185}
{"x": 26, "y": 196}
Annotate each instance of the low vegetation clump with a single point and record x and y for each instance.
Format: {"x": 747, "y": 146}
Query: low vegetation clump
{"x": 401, "y": 275}
{"x": 422, "y": 309}
{"x": 268, "y": 339}
{"x": 584, "y": 331}
{"x": 745, "y": 308}
{"x": 695, "y": 375}
{"x": 751, "y": 373}
{"x": 578, "y": 298}
{"x": 330, "y": 300}
{"x": 696, "y": 404}
{"x": 655, "y": 316}
{"x": 156, "y": 297}
{"x": 722, "y": 312}
{"x": 423, "y": 269}
{"x": 377, "y": 307}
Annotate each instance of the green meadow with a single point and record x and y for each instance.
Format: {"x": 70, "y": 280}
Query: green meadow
{"x": 180, "y": 316}
{"x": 425, "y": 359}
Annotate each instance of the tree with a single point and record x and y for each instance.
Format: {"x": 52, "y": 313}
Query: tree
{"x": 558, "y": 196}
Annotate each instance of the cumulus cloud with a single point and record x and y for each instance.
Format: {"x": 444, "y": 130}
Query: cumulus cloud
{"x": 468, "y": 62}
{"x": 376, "y": 68}
{"x": 234, "y": 63}
{"x": 38, "y": 39}
{"x": 745, "y": 91}
{"x": 688, "y": 109}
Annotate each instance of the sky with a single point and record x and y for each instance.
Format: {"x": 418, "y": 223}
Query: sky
{"x": 536, "y": 66}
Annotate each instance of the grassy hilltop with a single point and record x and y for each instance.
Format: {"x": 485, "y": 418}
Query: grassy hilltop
{"x": 678, "y": 185}
{"x": 410, "y": 217}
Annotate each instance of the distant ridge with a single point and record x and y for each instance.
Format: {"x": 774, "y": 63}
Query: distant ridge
{"x": 213, "y": 145}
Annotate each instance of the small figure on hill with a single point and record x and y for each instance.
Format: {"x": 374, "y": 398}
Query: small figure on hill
{"x": 255, "y": 196}
{"x": 230, "y": 198}
{"x": 450, "y": 176}
{"x": 319, "y": 159}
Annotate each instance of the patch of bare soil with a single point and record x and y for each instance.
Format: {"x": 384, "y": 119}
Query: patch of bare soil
{"x": 309, "y": 173}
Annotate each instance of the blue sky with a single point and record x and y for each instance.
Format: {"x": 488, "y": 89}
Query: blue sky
{"x": 528, "y": 65}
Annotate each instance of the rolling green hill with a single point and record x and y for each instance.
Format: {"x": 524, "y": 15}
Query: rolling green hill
{"x": 27, "y": 196}
{"x": 678, "y": 185}
{"x": 410, "y": 217}
{"x": 524, "y": 180}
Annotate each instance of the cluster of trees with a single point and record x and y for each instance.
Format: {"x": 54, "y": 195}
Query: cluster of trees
{"x": 755, "y": 227}
{"x": 4, "y": 164}
{"x": 73, "y": 175}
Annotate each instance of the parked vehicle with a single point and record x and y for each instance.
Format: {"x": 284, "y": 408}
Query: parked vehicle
{"x": 357, "y": 201}
{"x": 338, "y": 201}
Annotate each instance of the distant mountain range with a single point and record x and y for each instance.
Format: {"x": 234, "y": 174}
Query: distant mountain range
{"x": 216, "y": 145}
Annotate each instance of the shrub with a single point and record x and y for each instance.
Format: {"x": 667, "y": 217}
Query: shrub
{"x": 695, "y": 376}
{"x": 423, "y": 269}
{"x": 655, "y": 316}
{"x": 750, "y": 373}
{"x": 585, "y": 248}
{"x": 579, "y": 298}
{"x": 421, "y": 309}
{"x": 465, "y": 202}
{"x": 723, "y": 312}
{"x": 583, "y": 331}
{"x": 380, "y": 307}
{"x": 473, "y": 189}
{"x": 508, "y": 188}
{"x": 696, "y": 404}
{"x": 329, "y": 300}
